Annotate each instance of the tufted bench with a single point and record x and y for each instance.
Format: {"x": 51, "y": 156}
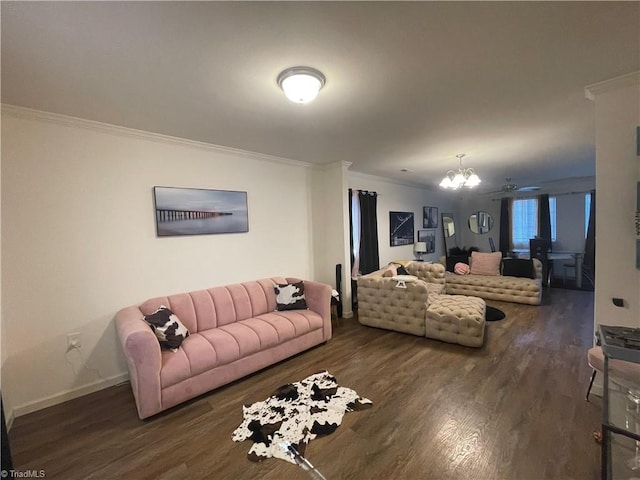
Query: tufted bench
{"x": 456, "y": 319}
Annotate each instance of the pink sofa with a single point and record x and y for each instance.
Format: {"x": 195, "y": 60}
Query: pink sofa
{"x": 234, "y": 330}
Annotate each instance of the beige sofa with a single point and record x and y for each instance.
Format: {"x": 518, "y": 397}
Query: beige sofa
{"x": 420, "y": 306}
{"x": 439, "y": 304}
{"x": 502, "y": 288}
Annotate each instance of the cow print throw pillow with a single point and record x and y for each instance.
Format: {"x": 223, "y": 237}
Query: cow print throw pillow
{"x": 167, "y": 327}
{"x": 290, "y": 296}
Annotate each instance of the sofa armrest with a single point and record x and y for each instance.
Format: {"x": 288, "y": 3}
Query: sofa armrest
{"x": 382, "y": 304}
{"x": 144, "y": 359}
{"x": 318, "y": 298}
{"x": 429, "y": 272}
{"x": 537, "y": 266}
{"x": 384, "y": 291}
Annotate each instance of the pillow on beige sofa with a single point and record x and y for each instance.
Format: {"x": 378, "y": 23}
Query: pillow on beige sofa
{"x": 391, "y": 271}
{"x": 461, "y": 269}
{"x": 485, "y": 263}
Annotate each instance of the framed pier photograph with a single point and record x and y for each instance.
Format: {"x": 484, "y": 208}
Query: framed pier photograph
{"x": 194, "y": 211}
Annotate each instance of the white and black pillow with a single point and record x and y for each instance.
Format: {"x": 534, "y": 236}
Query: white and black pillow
{"x": 290, "y": 296}
{"x": 167, "y": 327}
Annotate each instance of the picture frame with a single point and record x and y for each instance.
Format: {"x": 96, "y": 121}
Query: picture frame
{"x": 428, "y": 237}
{"x": 429, "y": 217}
{"x": 196, "y": 211}
{"x": 401, "y": 228}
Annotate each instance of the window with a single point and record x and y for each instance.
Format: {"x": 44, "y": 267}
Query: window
{"x": 587, "y": 212}
{"x": 524, "y": 221}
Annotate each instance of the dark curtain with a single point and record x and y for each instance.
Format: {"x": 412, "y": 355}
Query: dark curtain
{"x": 589, "y": 261}
{"x": 369, "y": 257}
{"x": 544, "y": 218}
{"x": 350, "y": 194}
{"x": 505, "y": 227}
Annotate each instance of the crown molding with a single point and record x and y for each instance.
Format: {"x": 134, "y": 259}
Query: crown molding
{"x": 333, "y": 165}
{"x": 405, "y": 183}
{"x": 29, "y": 113}
{"x": 628, "y": 80}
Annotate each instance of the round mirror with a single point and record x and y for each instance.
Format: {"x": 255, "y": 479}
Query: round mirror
{"x": 480, "y": 222}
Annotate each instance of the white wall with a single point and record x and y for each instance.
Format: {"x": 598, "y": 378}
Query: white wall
{"x": 470, "y": 204}
{"x": 398, "y": 197}
{"x": 79, "y": 241}
{"x": 570, "y": 222}
{"x": 331, "y": 223}
{"x": 617, "y": 114}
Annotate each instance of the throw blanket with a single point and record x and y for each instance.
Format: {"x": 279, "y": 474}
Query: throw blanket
{"x": 296, "y": 413}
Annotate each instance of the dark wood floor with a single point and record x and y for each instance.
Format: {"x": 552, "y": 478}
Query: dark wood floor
{"x": 513, "y": 409}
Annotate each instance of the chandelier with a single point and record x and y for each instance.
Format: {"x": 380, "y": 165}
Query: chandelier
{"x": 301, "y": 84}
{"x": 464, "y": 177}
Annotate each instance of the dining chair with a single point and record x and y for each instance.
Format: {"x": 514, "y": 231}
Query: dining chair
{"x": 623, "y": 373}
{"x": 539, "y": 248}
{"x": 565, "y": 268}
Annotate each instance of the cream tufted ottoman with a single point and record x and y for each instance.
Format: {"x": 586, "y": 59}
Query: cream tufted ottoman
{"x": 456, "y": 319}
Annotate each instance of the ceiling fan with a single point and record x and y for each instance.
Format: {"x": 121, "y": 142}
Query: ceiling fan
{"x": 509, "y": 187}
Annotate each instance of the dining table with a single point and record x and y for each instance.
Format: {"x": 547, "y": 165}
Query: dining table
{"x": 576, "y": 257}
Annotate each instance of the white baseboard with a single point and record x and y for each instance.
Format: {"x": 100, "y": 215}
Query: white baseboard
{"x": 65, "y": 396}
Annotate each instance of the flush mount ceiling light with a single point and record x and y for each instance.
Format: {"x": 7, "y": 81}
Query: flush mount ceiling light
{"x": 301, "y": 84}
{"x": 464, "y": 177}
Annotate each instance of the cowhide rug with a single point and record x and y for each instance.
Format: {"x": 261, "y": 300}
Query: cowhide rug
{"x": 296, "y": 413}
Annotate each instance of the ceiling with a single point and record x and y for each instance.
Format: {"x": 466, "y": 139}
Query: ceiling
{"x": 409, "y": 84}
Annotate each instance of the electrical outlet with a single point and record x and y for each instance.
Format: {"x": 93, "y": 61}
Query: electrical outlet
{"x": 73, "y": 341}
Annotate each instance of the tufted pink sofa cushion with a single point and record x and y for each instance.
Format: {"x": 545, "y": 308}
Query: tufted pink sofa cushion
{"x": 218, "y": 306}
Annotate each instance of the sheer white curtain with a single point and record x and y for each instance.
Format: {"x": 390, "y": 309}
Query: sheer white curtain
{"x": 524, "y": 221}
{"x": 356, "y": 228}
